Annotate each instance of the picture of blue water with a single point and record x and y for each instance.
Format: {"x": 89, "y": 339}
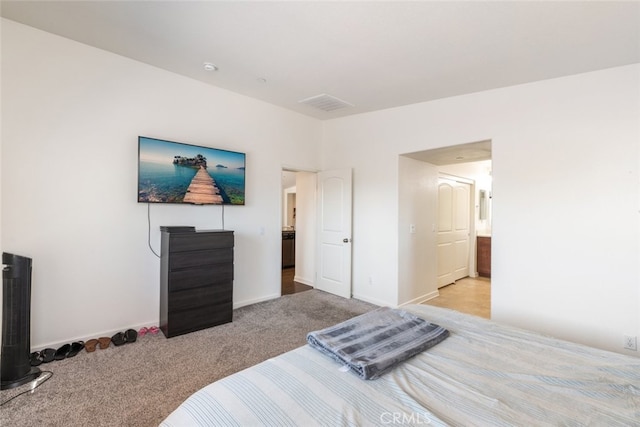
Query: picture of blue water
{"x": 163, "y": 182}
{"x": 160, "y": 180}
{"x": 231, "y": 184}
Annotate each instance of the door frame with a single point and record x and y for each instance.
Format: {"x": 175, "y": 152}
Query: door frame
{"x": 307, "y": 272}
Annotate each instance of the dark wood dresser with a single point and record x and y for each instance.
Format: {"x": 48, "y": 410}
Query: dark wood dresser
{"x": 196, "y": 279}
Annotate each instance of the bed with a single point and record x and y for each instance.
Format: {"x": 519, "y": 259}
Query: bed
{"x": 483, "y": 374}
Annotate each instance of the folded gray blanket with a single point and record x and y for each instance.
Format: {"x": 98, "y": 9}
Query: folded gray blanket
{"x": 377, "y": 341}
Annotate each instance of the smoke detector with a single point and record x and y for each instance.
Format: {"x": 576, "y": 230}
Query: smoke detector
{"x": 325, "y": 102}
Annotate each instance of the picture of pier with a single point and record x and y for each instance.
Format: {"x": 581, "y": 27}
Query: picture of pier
{"x": 171, "y": 172}
{"x": 203, "y": 189}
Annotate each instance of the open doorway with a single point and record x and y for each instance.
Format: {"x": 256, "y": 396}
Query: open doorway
{"x": 467, "y": 166}
{"x": 296, "y": 229}
{"x": 468, "y": 289}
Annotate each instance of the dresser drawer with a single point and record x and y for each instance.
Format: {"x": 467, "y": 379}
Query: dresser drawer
{"x": 198, "y": 241}
{"x": 210, "y": 275}
{"x": 180, "y": 260}
{"x": 204, "y": 317}
{"x": 198, "y": 297}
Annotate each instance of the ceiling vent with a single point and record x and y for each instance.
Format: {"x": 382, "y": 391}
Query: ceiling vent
{"x": 325, "y": 102}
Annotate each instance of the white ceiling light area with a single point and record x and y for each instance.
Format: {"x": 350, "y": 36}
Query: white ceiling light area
{"x": 373, "y": 55}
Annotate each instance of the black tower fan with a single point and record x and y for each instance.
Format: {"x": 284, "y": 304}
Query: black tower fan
{"x": 15, "y": 366}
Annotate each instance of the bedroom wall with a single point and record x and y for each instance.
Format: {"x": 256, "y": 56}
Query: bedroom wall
{"x": 70, "y": 121}
{"x": 417, "y": 213}
{"x": 565, "y": 198}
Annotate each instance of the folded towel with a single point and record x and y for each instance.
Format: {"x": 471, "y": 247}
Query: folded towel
{"x": 377, "y": 341}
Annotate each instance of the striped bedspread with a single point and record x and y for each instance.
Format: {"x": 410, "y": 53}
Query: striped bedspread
{"x": 483, "y": 374}
{"x": 377, "y": 341}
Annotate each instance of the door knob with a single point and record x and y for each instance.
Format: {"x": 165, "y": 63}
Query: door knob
{"x": 345, "y": 240}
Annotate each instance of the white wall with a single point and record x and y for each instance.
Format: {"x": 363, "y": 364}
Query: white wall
{"x": 70, "y": 121}
{"x": 565, "y": 197}
{"x": 417, "y": 238}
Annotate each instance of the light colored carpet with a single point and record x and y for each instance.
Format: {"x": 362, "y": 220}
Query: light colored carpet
{"x": 139, "y": 384}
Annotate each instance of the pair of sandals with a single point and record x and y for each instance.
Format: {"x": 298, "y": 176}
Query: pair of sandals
{"x": 153, "y": 330}
{"x": 103, "y": 342}
{"x": 126, "y": 337}
{"x": 49, "y": 354}
{"x": 118, "y": 339}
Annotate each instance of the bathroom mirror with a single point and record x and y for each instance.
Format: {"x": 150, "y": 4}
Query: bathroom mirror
{"x": 482, "y": 214}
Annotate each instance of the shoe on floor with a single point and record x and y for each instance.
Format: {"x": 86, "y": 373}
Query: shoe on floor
{"x": 104, "y": 342}
{"x": 35, "y": 359}
{"x": 48, "y": 354}
{"x": 130, "y": 336}
{"x": 62, "y": 352}
{"x": 118, "y": 339}
{"x": 75, "y": 348}
{"x": 90, "y": 345}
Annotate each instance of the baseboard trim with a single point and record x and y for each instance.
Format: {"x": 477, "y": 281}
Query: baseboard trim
{"x": 373, "y": 301}
{"x": 421, "y": 299}
{"x": 255, "y": 301}
{"x": 304, "y": 281}
{"x": 110, "y": 333}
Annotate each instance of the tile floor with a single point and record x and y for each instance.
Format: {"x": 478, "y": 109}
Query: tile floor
{"x": 468, "y": 295}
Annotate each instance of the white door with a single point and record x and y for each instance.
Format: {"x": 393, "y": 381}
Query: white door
{"x": 333, "y": 253}
{"x": 454, "y": 202}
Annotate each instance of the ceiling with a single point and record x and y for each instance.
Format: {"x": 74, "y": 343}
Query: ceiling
{"x": 371, "y": 55}
{"x": 463, "y": 153}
